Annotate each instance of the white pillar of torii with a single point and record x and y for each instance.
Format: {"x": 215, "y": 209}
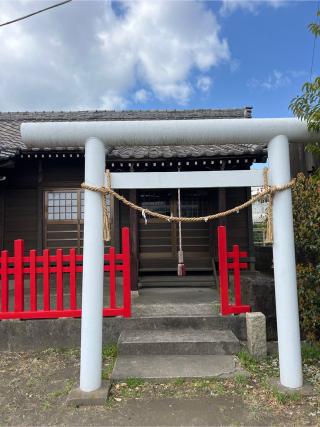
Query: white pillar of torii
{"x": 95, "y": 136}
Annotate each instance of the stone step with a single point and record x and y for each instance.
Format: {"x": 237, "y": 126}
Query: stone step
{"x": 206, "y": 281}
{"x": 178, "y": 342}
{"x": 194, "y": 284}
{"x": 175, "y": 278}
{"x": 169, "y": 367}
{"x": 168, "y": 310}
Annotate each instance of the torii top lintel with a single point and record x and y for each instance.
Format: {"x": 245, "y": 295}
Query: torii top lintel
{"x": 165, "y": 132}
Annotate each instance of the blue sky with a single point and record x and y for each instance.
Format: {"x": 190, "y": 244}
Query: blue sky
{"x": 156, "y": 55}
{"x": 274, "y": 50}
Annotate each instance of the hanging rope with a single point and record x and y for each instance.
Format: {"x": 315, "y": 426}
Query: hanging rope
{"x": 269, "y": 231}
{"x": 267, "y": 191}
{"x": 105, "y": 211}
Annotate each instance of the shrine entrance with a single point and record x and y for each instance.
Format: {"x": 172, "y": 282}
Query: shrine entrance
{"x": 159, "y": 240}
{"x": 96, "y": 136}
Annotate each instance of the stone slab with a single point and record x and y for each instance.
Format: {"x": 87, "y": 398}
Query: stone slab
{"x": 155, "y": 367}
{"x": 178, "y": 342}
{"x": 306, "y": 390}
{"x": 98, "y": 397}
{"x": 173, "y": 309}
{"x": 256, "y": 334}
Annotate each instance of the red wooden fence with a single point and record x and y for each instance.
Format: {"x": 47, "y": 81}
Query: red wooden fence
{"x": 47, "y": 267}
{"x": 224, "y": 265}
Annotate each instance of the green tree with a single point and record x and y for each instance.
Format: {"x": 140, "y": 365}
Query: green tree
{"x": 307, "y": 105}
{"x": 306, "y": 216}
{"x": 306, "y": 211}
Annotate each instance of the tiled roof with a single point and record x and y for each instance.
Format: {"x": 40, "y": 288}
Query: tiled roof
{"x": 11, "y": 143}
{"x": 185, "y": 151}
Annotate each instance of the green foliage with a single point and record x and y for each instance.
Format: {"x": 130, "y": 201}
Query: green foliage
{"x": 134, "y": 382}
{"x": 314, "y": 27}
{"x": 285, "y": 398}
{"x": 179, "y": 381}
{"x": 306, "y": 216}
{"x": 109, "y": 351}
{"x": 309, "y": 300}
{"x": 310, "y": 352}
{"x": 248, "y": 362}
{"x": 109, "y": 354}
{"x": 307, "y": 105}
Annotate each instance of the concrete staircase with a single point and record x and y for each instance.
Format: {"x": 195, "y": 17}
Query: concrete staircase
{"x": 164, "y": 354}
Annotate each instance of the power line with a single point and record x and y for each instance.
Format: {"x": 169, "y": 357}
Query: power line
{"x": 35, "y": 13}
{"x": 314, "y": 44}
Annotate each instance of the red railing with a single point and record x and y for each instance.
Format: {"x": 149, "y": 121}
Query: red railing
{"x": 230, "y": 261}
{"x": 50, "y": 271}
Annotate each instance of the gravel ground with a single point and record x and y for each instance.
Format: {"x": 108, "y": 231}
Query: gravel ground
{"x": 34, "y": 389}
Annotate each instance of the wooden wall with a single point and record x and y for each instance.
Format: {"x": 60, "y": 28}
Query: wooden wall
{"x": 21, "y": 196}
{"x": 237, "y": 224}
{"x": 22, "y": 204}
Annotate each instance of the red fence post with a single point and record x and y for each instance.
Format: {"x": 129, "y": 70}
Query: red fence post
{"x": 33, "y": 279}
{"x": 4, "y": 281}
{"x": 18, "y": 275}
{"x": 59, "y": 279}
{"x": 112, "y": 277}
{"x": 73, "y": 279}
{"x": 126, "y": 272}
{"x": 46, "y": 280}
{"x": 236, "y": 274}
{"x": 223, "y": 270}
{"x": 224, "y": 266}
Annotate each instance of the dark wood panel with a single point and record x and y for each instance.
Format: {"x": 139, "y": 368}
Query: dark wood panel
{"x": 53, "y": 243}
{"x": 72, "y": 176}
{"x": 24, "y": 175}
{"x": 21, "y": 217}
{"x": 2, "y": 215}
{"x": 59, "y": 226}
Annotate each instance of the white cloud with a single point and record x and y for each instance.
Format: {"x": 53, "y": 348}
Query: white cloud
{"x": 141, "y": 96}
{"x": 204, "y": 83}
{"x": 275, "y": 80}
{"x": 94, "y": 54}
{"x": 230, "y": 6}
{"x": 112, "y": 101}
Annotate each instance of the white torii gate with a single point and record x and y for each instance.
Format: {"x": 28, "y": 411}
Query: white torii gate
{"x": 97, "y": 136}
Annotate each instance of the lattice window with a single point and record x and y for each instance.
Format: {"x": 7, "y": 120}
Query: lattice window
{"x": 67, "y": 205}
{"x": 62, "y": 205}
{"x": 63, "y": 218}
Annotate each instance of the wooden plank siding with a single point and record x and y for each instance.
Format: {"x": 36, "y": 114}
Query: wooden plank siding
{"x": 237, "y": 224}
{"x": 2, "y": 214}
{"x": 21, "y": 218}
{"x": 154, "y": 246}
{"x": 20, "y": 210}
